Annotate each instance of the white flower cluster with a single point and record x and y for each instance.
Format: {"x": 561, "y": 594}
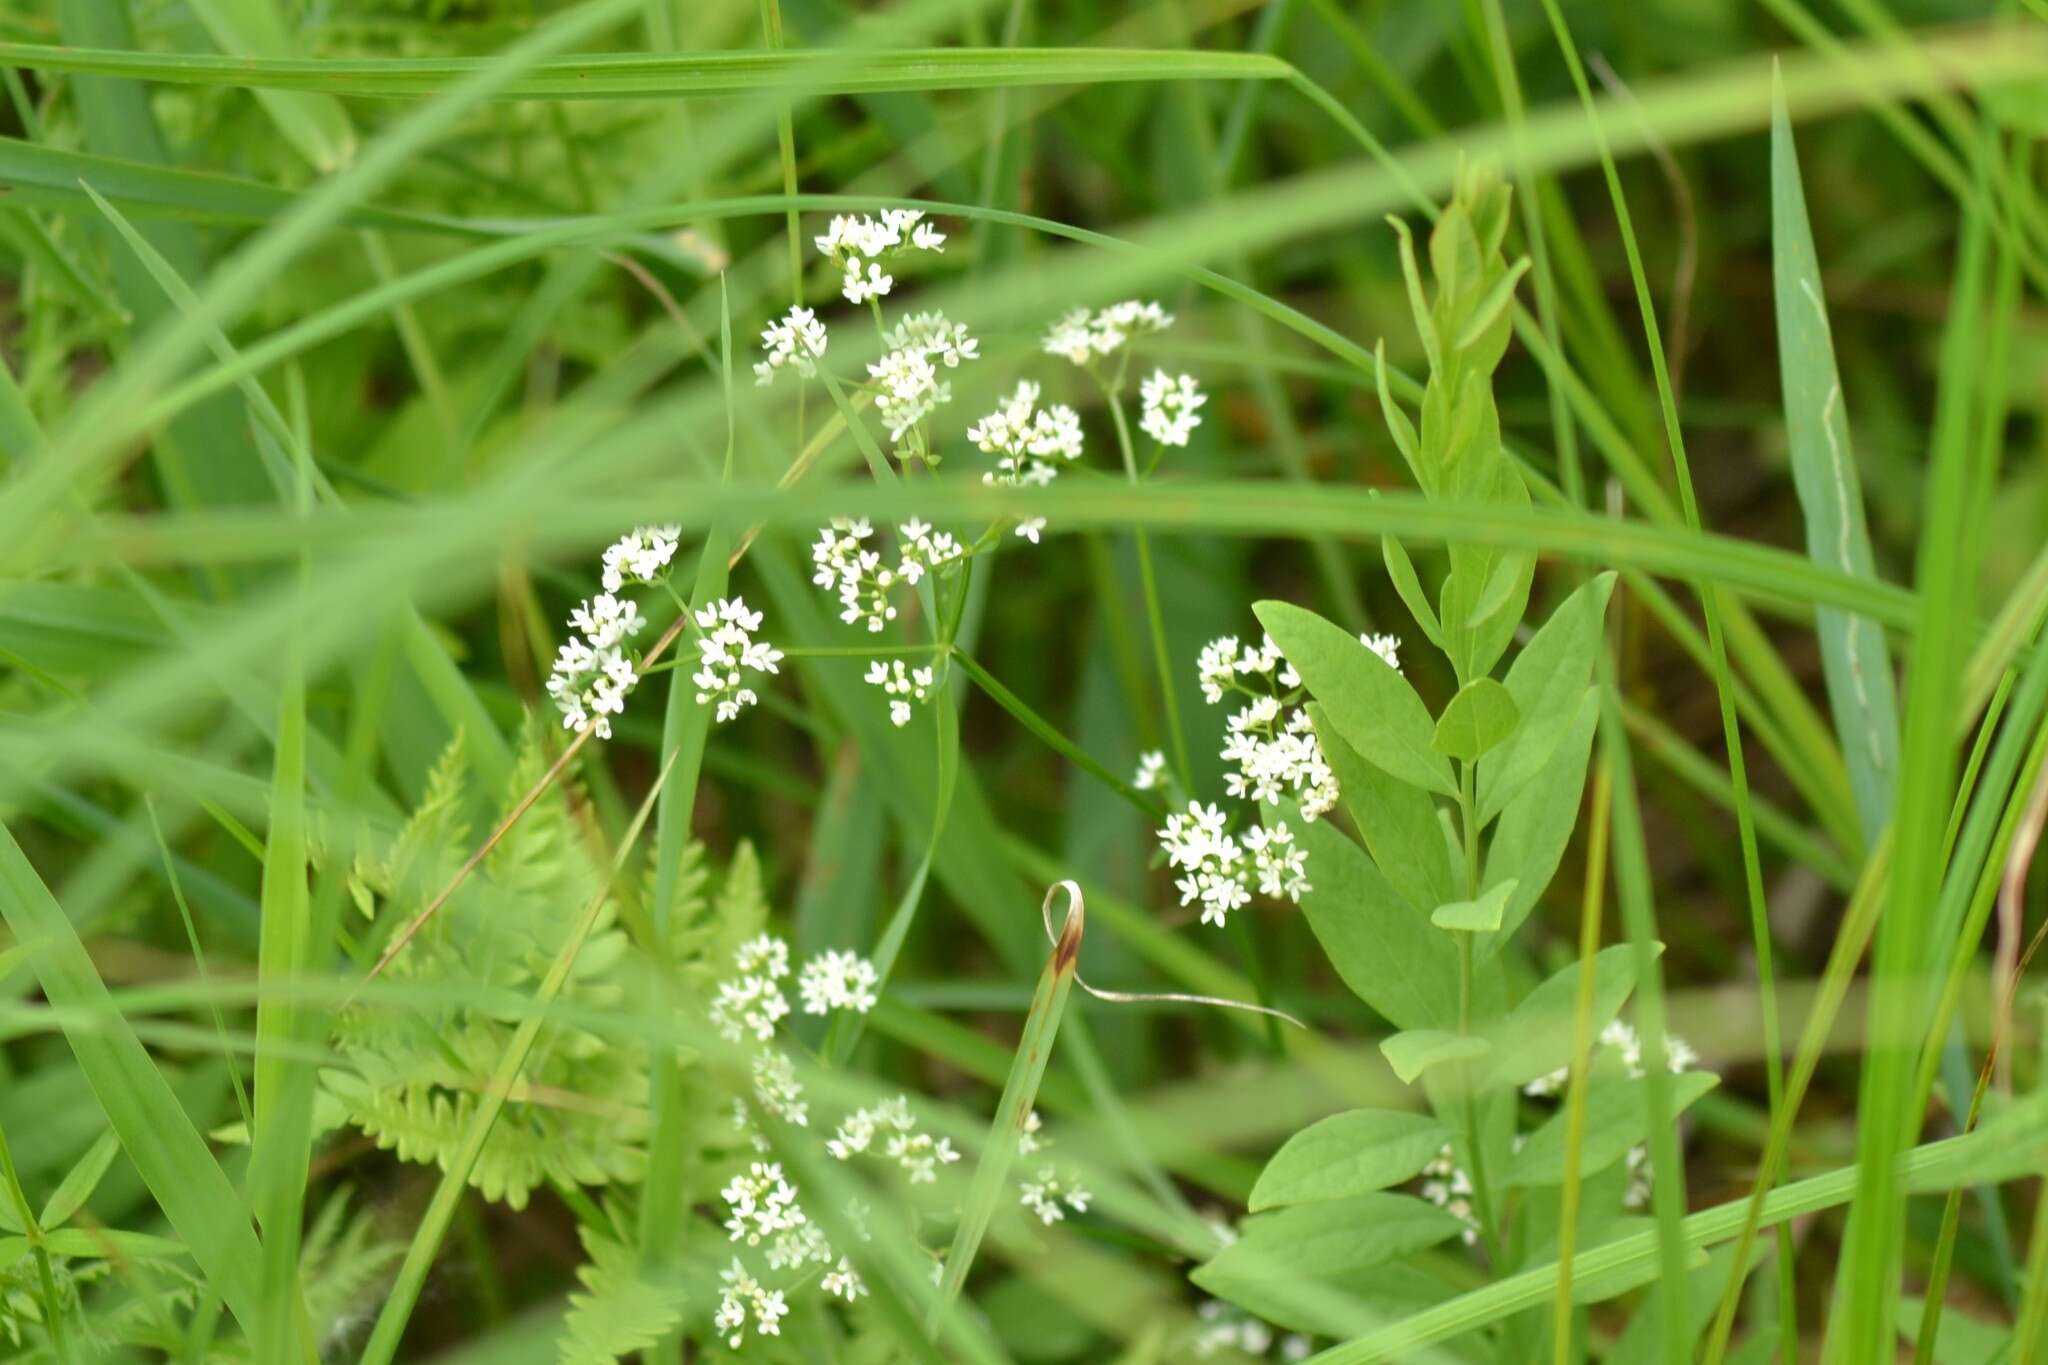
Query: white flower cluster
{"x": 907, "y": 390}
{"x": 592, "y": 672}
{"x": 934, "y": 337}
{"x": 904, "y": 686}
{"x": 1273, "y": 746}
{"x": 890, "y": 1130}
{"x": 1025, "y": 439}
{"x": 1445, "y": 1184}
{"x": 796, "y": 340}
{"x": 1169, "y": 407}
{"x": 640, "y": 557}
{"x": 1227, "y": 1328}
{"x": 1622, "y": 1042}
{"x": 1212, "y": 863}
{"x": 726, "y": 645}
{"x": 1046, "y": 1195}
{"x": 778, "y": 1090}
{"x": 860, "y": 243}
{"x": 740, "y": 1292}
{"x": 1152, "y": 774}
{"x": 1083, "y": 337}
{"x": 844, "y": 565}
{"x": 751, "y": 1000}
{"x": 1388, "y": 647}
{"x": 761, "y": 1205}
{"x": 837, "y": 980}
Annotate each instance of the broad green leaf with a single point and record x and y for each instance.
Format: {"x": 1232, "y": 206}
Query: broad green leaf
{"x": 1416, "y": 1051}
{"x": 1349, "y": 1154}
{"x": 1854, "y": 657}
{"x": 1398, "y": 821}
{"x": 1616, "y": 1120}
{"x": 1371, "y": 705}
{"x": 79, "y": 1182}
{"x": 1478, "y": 720}
{"x": 1479, "y": 915}
{"x": 1385, "y": 949}
{"x": 1305, "y": 1266}
{"x": 1547, "y": 680}
{"x": 1536, "y": 1037}
{"x": 1534, "y": 830}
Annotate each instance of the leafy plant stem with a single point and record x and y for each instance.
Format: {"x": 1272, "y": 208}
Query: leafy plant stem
{"x": 53, "y": 1306}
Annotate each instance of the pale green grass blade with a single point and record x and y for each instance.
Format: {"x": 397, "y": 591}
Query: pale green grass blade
{"x": 1853, "y": 651}
{"x": 173, "y": 1159}
{"x": 314, "y": 124}
{"x": 622, "y": 75}
{"x": 1034, "y": 1049}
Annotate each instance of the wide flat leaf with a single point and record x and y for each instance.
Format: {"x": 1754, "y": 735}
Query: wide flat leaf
{"x": 1386, "y": 950}
{"x": 1328, "y": 1266}
{"x": 1536, "y": 1037}
{"x": 1482, "y": 914}
{"x": 1536, "y": 828}
{"x": 1547, "y": 680}
{"x": 1348, "y": 1154}
{"x": 1617, "y": 1118}
{"x": 1478, "y": 720}
{"x": 1370, "y": 703}
{"x": 1416, "y": 1051}
{"x": 1398, "y": 821}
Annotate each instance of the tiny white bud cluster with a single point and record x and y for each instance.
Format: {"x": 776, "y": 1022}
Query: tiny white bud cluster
{"x": 1169, "y": 407}
{"x": 726, "y": 646}
{"x": 904, "y": 686}
{"x": 1046, "y": 1195}
{"x": 1083, "y": 337}
{"x": 1388, "y": 647}
{"x": 1445, "y": 1184}
{"x": 1272, "y": 747}
{"x": 796, "y": 340}
{"x": 751, "y": 1002}
{"x": 1211, "y": 861}
{"x": 741, "y": 1291}
{"x": 860, "y": 243}
{"x": 641, "y": 557}
{"x": 889, "y": 1130}
{"x": 1152, "y": 774}
{"x": 837, "y": 980}
{"x": 1225, "y": 1328}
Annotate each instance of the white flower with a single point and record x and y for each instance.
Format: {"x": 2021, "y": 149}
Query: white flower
{"x": 1151, "y": 771}
{"x": 919, "y": 1154}
{"x": 726, "y": 646}
{"x": 748, "y": 1004}
{"x": 904, "y": 685}
{"x": 592, "y": 675}
{"x": 761, "y": 1204}
{"x": 1275, "y": 761}
{"x": 1169, "y": 407}
{"x": 842, "y": 1281}
{"x": 859, "y": 286}
{"x": 858, "y": 241}
{"x": 1030, "y": 527}
{"x": 797, "y": 340}
{"x": 1045, "y": 1195}
{"x": 835, "y": 980}
{"x": 1388, "y": 647}
{"x": 1081, "y": 338}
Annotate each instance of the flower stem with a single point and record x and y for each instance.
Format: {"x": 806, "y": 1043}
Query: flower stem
{"x": 1155, "y": 619}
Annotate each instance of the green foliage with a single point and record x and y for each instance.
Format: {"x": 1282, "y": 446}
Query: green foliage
{"x": 1356, "y": 1152}
{"x": 619, "y": 1310}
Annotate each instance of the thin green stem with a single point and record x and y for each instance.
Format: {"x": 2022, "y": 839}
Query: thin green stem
{"x": 46, "y": 1275}
{"x": 1155, "y": 619}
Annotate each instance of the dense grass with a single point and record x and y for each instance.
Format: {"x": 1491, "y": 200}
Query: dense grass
{"x": 1683, "y": 421}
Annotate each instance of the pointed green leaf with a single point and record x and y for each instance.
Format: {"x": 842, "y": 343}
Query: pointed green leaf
{"x": 1536, "y": 1037}
{"x": 1397, "y": 820}
{"x": 1383, "y": 948}
{"x": 1480, "y": 915}
{"x": 1478, "y": 720}
{"x": 1349, "y": 1154}
{"x": 1370, "y": 703}
{"x": 1535, "y": 829}
{"x": 1401, "y": 569}
{"x": 1330, "y": 1266}
{"x": 79, "y": 1182}
{"x": 1616, "y": 1119}
{"x": 1547, "y": 680}
{"x": 1414, "y": 1052}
